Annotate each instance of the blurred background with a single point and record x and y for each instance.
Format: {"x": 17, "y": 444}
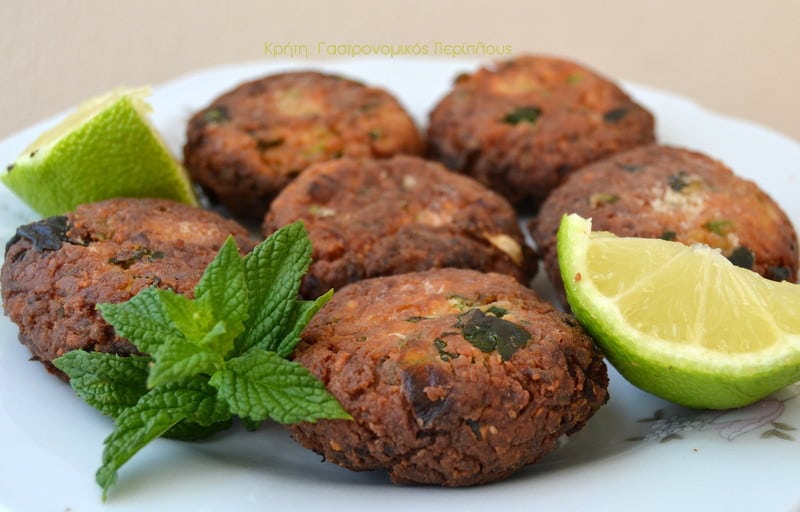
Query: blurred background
{"x": 735, "y": 57}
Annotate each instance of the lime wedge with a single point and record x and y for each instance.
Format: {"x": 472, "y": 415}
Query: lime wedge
{"x": 107, "y": 148}
{"x": 681, "y": 322}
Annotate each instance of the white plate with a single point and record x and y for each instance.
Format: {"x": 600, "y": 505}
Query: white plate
{"x": 637, "y": 453}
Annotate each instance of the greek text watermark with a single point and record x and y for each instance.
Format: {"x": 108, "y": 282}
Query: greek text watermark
{"x": 293, "y": 50}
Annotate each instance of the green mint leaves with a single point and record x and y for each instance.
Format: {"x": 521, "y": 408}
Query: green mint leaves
{"x": 220, "y": 354}
{"x": 261, "y": 385}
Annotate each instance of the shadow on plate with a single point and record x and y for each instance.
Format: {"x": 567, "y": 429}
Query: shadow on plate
{"x": 271, "y": 451}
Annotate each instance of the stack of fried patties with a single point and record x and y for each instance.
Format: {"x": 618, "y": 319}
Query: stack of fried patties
{"x": 455, "y": 371}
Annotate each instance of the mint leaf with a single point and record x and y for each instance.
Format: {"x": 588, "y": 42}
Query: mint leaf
{"x": 217, "y": 354}
{"x": 273, "y": 272}
{"x": 188, "y": 431}
{"x": 184, "y": 340}
{"x": 301, "y": 314}
{"x": 197, "y": 324}
{"x": 181, "y": 359}
{"x": 261, "y": 385}
{"x": 108, "y": 382}
{"x": 250, "y": 425}
{"x": 223, "y": 290}
{"x": 192, "y": 319}
{"x": 153, "y": 415}
{"x": 143, "y": 319}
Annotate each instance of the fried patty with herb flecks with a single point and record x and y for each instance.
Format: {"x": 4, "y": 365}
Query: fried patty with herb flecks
{"x": 522, "y": 125}
{"x": 675, "y": 194}
{"x": 58, "y": 269}
{"x": 368, "y": 218}
{"x": 453, "y": 377}
{"x": 250, "y": 142}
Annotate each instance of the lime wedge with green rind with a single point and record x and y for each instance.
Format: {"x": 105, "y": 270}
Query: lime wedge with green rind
{"x": 681, "y": 322}
{"x": 107, "y": 148}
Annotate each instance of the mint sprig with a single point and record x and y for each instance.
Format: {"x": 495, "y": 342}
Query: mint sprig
{"x": 220, "y": 354}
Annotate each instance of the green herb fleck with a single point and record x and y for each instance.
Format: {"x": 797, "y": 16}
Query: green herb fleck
{"x": 488, "y": 333}
{"x": 441, "y": 345}
{"x": 574, "y": 78}
{"x": 370, "y": 106}
{"x": 216, "y": 115}
{"x": 375, "y": 134}
{"x": 416, "y": 319}
{"x": 719, "y": 226}
{"x": 615, "y": 115}
{"x": 602, "y": 198}
{"x": 497, "y": 311}
{"x": 527, "y": 114}
{"x": 742, "y": 257}
{"x": 678, "y": 182}
{"x": 629, "y": 167}
{"x": 459, "y": 302}
{"x": 668, "y": 234}
{"x": 128, "y": 261}
{"x": 315, "y": 149}
{"x": 222, "y": 353}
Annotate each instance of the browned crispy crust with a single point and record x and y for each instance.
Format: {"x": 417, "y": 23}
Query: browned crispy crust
{"x": 109, "y": 252}
{"x": 428, "y": 405}
{"x": 368, "y": 218}
{"x": 675, "y": 194}
{"x": 582, "y": 117}
{"x": 250, "y": 142}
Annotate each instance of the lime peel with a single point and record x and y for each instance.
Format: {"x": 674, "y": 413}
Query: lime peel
{"x": 702, "y": 369}
{"x": 106, "y": 148}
